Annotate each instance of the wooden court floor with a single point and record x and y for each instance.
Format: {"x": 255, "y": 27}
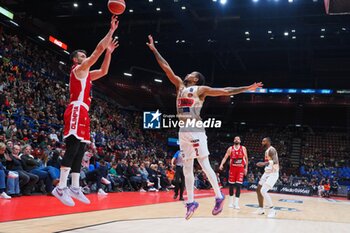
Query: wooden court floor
{"x": 295, "y": 214}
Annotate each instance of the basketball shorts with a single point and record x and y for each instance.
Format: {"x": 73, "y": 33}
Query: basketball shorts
{"x": 236, "y": 175}
{"x": 193, "y": 144}
{"x": 77, "y": 122}
{"x": 269, "y": 178}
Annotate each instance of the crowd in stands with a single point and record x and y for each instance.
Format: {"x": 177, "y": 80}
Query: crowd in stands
{"x": 122, "y": 157}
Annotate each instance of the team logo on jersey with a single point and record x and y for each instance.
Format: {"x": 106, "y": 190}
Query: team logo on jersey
{"x": 152, "y": 120}
{"x": 184, "y": 102}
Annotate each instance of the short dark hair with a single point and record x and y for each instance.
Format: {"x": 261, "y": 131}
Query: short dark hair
{"x": 75, "y": 53}
{"x": 201, "y": 79}
{"x": 268, "y": 139}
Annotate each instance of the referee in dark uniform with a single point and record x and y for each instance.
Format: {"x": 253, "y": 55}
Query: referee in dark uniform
{"x": 177, "y": 161}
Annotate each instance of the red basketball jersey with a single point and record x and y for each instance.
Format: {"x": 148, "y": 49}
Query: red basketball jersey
{"x": 80, "y": 89}
{"x": 237, "y": 157}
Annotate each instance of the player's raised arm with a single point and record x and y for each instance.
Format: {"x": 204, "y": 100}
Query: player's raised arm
{"x": 96, "y": 74}
{"x": 176, "y": 80}
{"x": 227, "y": 155}
{"x": 227, "y": 91}
{"x": 101, "y": 46}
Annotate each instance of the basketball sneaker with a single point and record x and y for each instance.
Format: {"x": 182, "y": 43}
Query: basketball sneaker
{"x": 260, "y": 211}
{"x": 78, "y": 194}
{"x": 191, "y": 207}
{"x": 101, "y": 192}
{"x": 272, "y": 213}
{"x": 63, "y": 196}
{"x": 219, "y": 205}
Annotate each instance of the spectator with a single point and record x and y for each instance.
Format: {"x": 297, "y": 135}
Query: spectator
{"x": 27, "y": 180}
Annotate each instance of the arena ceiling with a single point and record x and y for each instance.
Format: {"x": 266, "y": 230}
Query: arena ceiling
{"x": 283, "y": 43}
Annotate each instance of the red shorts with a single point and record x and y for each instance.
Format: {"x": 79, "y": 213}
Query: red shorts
{"x": 236, "y": 175}
{"x": 77, "y": 122}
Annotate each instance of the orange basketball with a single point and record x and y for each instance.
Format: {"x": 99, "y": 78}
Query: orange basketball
{"x": 116, "y": 7}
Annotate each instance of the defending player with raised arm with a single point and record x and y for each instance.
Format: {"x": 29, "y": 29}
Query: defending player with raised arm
{"x": 238, "y": 169}
{"x": 196, "y": 78}
{"x": 191, "y": 94}
{"x": 76, "y": 117}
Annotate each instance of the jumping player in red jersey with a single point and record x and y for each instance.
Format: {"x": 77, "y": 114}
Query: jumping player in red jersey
{"x": 238, "y": 169}
{"x": 76, "y": 117}
{"x": 191, "y": 94}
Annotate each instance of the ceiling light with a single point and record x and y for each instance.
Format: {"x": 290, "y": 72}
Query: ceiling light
{"x": 183, "y": 8}
{"x": 247, "y": 33}
{"x": 158, "y": 9}
{"x": 248, "y": 39}
{"x": 131, "y": 10}
{"x": 99, "y": 12}
{"x": 286, "y": 34}
{"x": 323, "y": 30}
{"x": 269, "y": 32}
{"x": 90, "y": 3}
{"x": 223, "y": 2}
{"x": 41, "y": 38}
{"x": 128, "y": 74}
{"x": 75, "y": 4}
{"x": 65, "y": 51}
{"x": 158, "y": 80}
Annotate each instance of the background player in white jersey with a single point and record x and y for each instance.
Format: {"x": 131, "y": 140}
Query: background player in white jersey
{"x": 269, "y": 178}
{"x": 191, "y": 94}
{"x": 76, "y": 117}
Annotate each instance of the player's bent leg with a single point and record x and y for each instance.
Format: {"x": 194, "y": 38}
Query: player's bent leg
{"x": 264, "y": 191}
{"x": 219, "y": 196}
{"x": 75, "y": 190}
{"x": 260, "y": 210}
{"x": 61, "y": 191}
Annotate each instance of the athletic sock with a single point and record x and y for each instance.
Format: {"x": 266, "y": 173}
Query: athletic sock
{"x": 63, "y": 177}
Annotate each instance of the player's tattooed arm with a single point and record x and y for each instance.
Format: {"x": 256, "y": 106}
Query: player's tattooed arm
{"x": 273, "y": 155}
{"x": 227, "y": 91}
{"x": 174, "y": 79}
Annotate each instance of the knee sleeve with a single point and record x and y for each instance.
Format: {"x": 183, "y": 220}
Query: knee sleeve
{"x": 238, "y": 190}
{"x": 264, "y": 192}
{"x": 231, "y": 189}
{"x": 72, "y": 148}
{"x": 76, "y": 166}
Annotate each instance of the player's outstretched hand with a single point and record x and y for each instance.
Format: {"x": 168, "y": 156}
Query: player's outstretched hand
{"x": 260, "y": 164}
{"x": 255, "y": 86}
{"x": 221, "y": 167}
{"x": 150, "y": 44}
{"x": 114, "y": 23}
{"x": 112, "y": 45}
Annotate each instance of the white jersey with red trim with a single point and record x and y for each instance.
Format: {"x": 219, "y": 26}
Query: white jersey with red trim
{"x": 189, "y": 104}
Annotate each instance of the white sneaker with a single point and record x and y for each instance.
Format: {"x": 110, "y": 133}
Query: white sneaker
{"x": 63, "y": 195}
{"x": 230, "y": 205}
{"x": 152, "y": 189}
{"x": 260, "y": 211}
{"x": 101, "y": 192}
{"x": 143, "y": 191}
{"x": 237, "y": 207}
{"x": 78, "y": 194}
{"x": 272, "y": 213}
{"x": 5, "y": 196}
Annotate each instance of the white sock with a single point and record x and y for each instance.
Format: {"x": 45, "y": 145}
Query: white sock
{"x": 236, "y": 201}
{"x": 75, "y": 179}
{"x": 63, "y": 177}
{"x": 204, "y": 162}
{"x": 230, "y": 200}
{"x": 189, "y": 179}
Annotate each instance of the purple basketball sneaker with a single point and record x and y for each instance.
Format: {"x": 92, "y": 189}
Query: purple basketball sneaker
{"x": 219, "y": 205}
{"x": 191, "y": 207}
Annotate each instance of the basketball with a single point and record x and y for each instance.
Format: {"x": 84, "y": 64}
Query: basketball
{"x": 116, "y": 7}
